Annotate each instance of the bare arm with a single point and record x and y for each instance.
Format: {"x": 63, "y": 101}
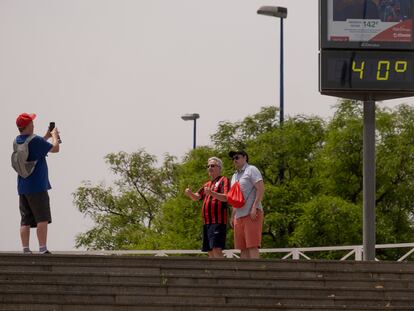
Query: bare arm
{"x": 55, "y": 140}
{"x": 259, "y": 196}
{"x": 232, "y": 217}
{"x": 193, "y": 196}
{"x": 219, "y": 196}
{"x": 259, "y": 193}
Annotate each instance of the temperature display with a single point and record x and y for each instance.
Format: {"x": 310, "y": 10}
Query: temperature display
{"x": 367, "y": 70}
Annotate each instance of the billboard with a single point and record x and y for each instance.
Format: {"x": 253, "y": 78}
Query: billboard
{"x": 367, "y": 24}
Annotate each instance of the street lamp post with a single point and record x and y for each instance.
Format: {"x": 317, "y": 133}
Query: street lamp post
{"x": 280, "y": 12}
{"x": 192, "y": 117}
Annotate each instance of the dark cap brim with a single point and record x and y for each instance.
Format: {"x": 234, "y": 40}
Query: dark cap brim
{"x": 232, "y": 153}
{"x": 241, "y": 152}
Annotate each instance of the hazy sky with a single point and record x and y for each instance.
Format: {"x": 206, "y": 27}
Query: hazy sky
{"x": 116, "y": 75}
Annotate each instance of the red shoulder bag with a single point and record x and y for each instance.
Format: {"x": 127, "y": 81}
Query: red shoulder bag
{"x": 235, "y": 196}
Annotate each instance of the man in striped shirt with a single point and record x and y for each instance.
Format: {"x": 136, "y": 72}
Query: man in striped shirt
{"x": 214, "y": 210}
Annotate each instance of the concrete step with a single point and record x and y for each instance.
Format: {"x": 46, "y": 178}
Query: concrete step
{"x": 69, "y": 282}
{"x": 199, "y": 268}
{"x": 172, "y": 307}
{"x": 110, "y": 288}
{"x": 204, "y": 279}
{"x": 80, "y": 298}
{"x": 205, "y": 263}
{"x": 191, "y": 266}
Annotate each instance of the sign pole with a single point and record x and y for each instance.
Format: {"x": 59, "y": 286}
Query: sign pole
{"x": 369, "y": 181}
{"x": 364, "y": 56}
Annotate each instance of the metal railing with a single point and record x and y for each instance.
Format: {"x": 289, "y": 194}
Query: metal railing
{"x": 352, "y": 252}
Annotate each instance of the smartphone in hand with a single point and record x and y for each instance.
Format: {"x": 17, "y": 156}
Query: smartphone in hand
{"x": 51, "y": 127}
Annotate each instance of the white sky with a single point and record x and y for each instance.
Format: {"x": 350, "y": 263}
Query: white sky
{"x": 116, "y": 75}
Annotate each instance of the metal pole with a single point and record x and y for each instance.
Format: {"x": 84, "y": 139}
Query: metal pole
{"x": 194, "y": 134}
{"x": 369, "y": 181}
{"x": 281, "y": 109}
{"x": 281, "y": 105}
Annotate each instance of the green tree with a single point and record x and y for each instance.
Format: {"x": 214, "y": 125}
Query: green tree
{"x": 294, "y": 148}
{"x": 327, "y": 221}
{"x": 124, "y": 216}
{"x": 317, "y": 200}
{"x": 234, "y": 136}
{"x": 339, "y": 163}
{"x": 395, "y": 175}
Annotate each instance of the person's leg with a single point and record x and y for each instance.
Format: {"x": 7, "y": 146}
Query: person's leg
{"x": 40, "y": 206}
{"x": 217, "y": 238}
{"x": 239, "y": 236}
{"x": 42, "y": 233}
{"x": 253, "y": 252}
{"x": 25, "y": 236}
{"x": 217, "y": 252}
{"x": 244, "y": 253}
{"x": 205, "y": 247}
{"x": 253, "y": 231}
{"x": 27, "y": 221}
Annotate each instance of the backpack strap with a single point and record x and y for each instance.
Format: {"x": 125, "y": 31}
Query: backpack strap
{"x": 28, "y": 140}
{"x": 238, "y": 180}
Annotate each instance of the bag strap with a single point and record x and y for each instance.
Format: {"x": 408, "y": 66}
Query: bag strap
{"x": 238, "y": 180}
{"x": 27, "y": 141}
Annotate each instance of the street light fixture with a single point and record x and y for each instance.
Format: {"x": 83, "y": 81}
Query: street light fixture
{"x": 192, "y": 117}
{"x": 280, "y": 12}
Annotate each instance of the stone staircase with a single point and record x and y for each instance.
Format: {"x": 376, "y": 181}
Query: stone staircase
{"x": 85, "y": 282}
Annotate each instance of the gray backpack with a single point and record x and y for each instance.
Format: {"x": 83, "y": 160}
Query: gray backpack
{"x": 19, "y": 158}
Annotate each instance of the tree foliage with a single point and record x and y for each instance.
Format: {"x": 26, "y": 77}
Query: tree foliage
{"x": 125, "y": 215}
{"x": 312, "y": 169}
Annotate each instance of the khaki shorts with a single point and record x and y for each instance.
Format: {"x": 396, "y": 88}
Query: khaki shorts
{"x": 248, "y": 232}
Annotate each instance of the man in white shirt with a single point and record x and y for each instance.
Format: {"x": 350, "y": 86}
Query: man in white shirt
{"x": 247, "y": 221}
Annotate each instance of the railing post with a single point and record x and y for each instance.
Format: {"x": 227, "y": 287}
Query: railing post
{"x": 295, "y": 254}
{"x": 358, "y": 253}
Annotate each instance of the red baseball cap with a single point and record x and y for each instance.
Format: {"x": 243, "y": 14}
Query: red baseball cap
{"x": 24, "y": 119}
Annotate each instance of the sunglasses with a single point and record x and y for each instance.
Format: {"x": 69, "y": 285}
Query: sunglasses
{"x": 236, "y": 157}
{"x": 211, "y": 165}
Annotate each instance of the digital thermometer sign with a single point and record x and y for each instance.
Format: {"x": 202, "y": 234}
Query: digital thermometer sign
{"x": 367, "y": 70}
{"x": 366, "y": 49}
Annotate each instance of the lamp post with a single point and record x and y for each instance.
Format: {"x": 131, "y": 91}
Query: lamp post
{"x": 280, "y": 12}
{"x": 192, "y": 117}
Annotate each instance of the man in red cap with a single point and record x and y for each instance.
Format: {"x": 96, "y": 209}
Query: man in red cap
{"x": 33, "y": 189}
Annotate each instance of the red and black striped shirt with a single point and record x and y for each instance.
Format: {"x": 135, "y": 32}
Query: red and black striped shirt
{"x": 214, "y": 211}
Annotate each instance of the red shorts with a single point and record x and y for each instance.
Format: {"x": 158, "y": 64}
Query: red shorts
{"x": 248, "y": 232}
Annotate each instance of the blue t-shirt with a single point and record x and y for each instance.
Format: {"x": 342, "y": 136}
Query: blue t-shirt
{"x": 38, "y": 181}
